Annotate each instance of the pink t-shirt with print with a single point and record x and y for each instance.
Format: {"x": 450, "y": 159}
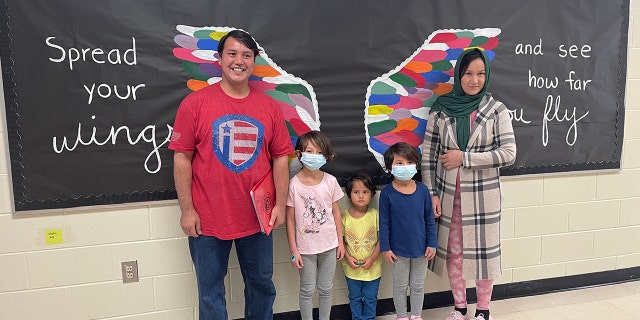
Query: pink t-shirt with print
{"x": 313, "y": 206}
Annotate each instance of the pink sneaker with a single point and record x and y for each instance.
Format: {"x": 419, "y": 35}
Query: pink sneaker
{"x": 416, "y": 318}
{"x": 403, "y": 318}
{"x": 455, "y": 315}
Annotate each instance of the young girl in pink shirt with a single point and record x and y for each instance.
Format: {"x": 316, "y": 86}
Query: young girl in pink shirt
{"x": 314, "y": 229}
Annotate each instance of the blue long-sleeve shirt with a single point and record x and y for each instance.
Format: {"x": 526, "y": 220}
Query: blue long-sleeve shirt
{"x": 407, "y": 224}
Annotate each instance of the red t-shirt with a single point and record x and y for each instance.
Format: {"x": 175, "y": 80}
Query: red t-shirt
{"x": 233, "y": 142}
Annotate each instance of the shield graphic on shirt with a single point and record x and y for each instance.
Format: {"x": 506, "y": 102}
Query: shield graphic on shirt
{"x": 237, "y": 140}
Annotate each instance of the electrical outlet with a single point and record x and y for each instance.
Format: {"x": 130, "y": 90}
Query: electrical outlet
{"x": 130, "y": 271}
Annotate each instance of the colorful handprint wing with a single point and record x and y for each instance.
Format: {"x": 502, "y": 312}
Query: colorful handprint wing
{"x": 198, "y": 50}
{"x": 398, "y": 102}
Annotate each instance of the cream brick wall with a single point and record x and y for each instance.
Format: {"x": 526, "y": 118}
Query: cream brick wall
{"x": 588, "y": 215}
{"x": 531, "y": 221}
{"x": 628, "y": 261}
{"x": 542, "y": 271}
{"x": 631, "y": 153}
{"x": 521, "y": 252}
{"x": 629, "y": 212}
{"x": 633, "y": 91}
{"x": 552, "y": 226}
{"x": 564, "y": 189}
{"x": 588, "y": 266}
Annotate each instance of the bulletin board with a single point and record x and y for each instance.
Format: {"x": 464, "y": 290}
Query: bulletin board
{"x": 92, "y": 88}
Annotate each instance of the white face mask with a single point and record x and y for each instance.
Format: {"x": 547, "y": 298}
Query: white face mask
{"x": 404, "y": 173}
{"x": 313, "y": 161}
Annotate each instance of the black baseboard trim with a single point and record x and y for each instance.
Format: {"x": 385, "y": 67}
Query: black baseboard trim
{"x": 500, "y": 292}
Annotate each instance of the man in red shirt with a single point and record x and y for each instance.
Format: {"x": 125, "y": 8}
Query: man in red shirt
{"x": 226, "y": 137}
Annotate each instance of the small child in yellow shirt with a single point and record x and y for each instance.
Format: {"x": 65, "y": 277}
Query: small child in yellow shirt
{"x": 362, "y": 264}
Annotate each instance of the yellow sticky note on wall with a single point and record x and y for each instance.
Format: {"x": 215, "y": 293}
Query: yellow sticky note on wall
{"x": 53, "y": 236}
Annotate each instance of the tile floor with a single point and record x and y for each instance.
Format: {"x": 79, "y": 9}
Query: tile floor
{"x": 609, "y": 302}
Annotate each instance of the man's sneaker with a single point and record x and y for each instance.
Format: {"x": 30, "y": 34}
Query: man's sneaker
{"x": 455, "y": 315}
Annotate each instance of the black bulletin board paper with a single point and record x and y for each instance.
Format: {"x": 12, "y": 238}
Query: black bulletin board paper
{"x": 560, "y": 66}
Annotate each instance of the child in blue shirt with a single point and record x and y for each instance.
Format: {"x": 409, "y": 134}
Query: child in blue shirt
{"x": 407, "y": 229}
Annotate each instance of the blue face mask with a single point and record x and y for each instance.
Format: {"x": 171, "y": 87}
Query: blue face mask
{"x": 404, "y": 173}
{"x": 313, "y": 161}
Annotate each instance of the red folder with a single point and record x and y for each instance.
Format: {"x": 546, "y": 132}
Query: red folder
{"x": 263, "y": 196}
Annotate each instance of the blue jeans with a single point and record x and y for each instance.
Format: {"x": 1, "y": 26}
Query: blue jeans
{"x": 210, "y": 257}
{"x": 363, "y": 298}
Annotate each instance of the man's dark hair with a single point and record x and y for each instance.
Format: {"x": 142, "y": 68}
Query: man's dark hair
{"x": 241, "y": 36}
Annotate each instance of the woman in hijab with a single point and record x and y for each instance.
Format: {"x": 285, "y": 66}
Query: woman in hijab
{"x": 469, "y": 137}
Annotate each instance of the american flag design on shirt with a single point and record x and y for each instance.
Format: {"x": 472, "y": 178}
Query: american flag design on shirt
{"x": 237, "y": 140}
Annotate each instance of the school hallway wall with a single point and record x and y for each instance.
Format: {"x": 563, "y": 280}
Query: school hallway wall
{"x": 552, "y": 226}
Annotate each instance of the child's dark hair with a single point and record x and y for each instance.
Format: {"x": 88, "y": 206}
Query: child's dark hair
{"x": 402, "y": 149}
{"x": 366, "y": 181}
{"x": 319, "y": 139}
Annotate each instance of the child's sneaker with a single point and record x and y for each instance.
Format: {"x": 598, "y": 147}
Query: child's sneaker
{"x": 455, "y": 315}
{"x": 481, "y": 317}
{"x": 403, "y": 318}
{"x": 416, "y": 318}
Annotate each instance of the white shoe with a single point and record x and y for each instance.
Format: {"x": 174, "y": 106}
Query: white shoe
{"x": 455, "y": 315}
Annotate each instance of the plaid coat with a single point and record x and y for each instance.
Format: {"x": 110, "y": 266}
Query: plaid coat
{"x": 491, "y": 145}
